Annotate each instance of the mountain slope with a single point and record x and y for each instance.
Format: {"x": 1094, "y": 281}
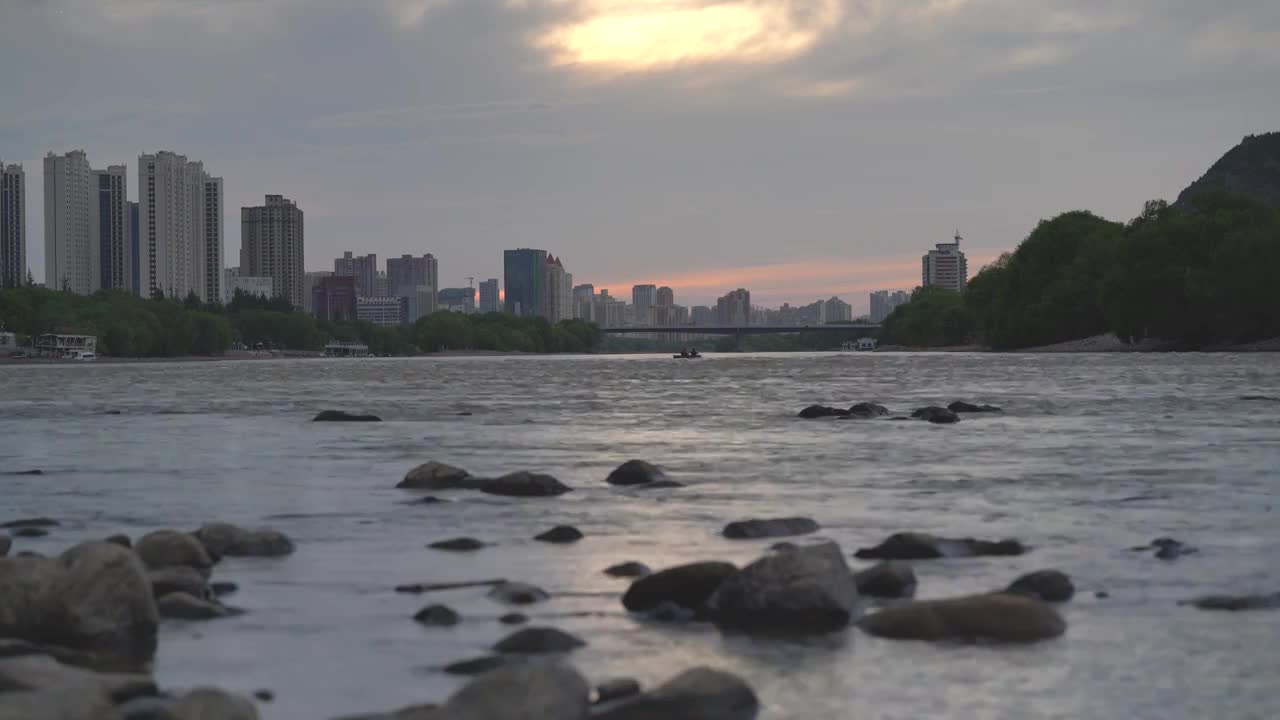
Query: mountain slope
{"x": 1251, "y": 168}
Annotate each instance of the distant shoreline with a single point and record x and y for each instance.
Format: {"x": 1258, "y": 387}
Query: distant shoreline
{"x": 1106, "y": 343}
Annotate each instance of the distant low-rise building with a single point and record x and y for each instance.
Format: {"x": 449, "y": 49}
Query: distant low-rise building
{"x": 702, "y": 315}
{"x": 309, "y": 281}
{"x": 419, "y": 303}
{"x": 334, "y": 298}
{"x": 387, "y": 311}
{"x": 263, "y": 287}
{"x": 462, "y": 300}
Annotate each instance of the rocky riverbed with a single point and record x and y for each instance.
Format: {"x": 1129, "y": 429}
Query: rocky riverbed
{"x": 1083, "y": 549}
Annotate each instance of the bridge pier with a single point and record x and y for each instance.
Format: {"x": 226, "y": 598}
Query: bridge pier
{"x": 741, "y": 340}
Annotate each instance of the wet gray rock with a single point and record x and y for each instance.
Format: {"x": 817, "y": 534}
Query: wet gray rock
{"x": 541, "y": 690}
{"x": 636, "y": 472}
{"x": 181, "y": 606}
{"x": 212, "y": 704}
{"x": 29, "y": 532}
{"x": 961, "y": 406}
{"x": 428, "y": 500}
{"x": 517, "y": 593}
{"x": 995, "y": 617}
{"x": 30, "y": 522}
{"x": 462, "y": 544}
{"x": 538, "y": 640}
{"x": 436, "y": 476}
{"x": 264, "y": 695}
{"x": 37, "y": 687}
{"x": 697, "y": 694}
{"x": 815, "y": 412}
{"x": 170, "y": 548}
{"x": 227, "y": 540}
{"x": 524, "y": 484}
{"x": 1047, "y": 585}
{"x": 616, "y": 689}
{"x": 475, "y": 666}
{"x": 687, "y": 586}
{"x": 178, "y": 579}
{"x": 514, "y": 619}
{"x": 561, "y": 534}
{"x": 889, "y": 579}
{"x": 755, "y": 529}
{"x": 922, "y": 546}
{"x": 866, "y": 411}
{"x": 1167, "y": 548}
{"x": 1236, "y": 603}
{"x": 809, "y": 588}
{"x": 627, "y": 570}
{"x": 36, "y": 472}
{"x": 425, "y": 711}
{"x": 218, "y": 589}
{"x": 121, "y": 540}
{"x": 935, "y": 414}
{"x": 5, "y": 543}
{"x": 341, "y": 416}
{"x": 438, "y": 616}
{"x": 94, "y": 598}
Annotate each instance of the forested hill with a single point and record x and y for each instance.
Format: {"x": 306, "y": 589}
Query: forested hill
{"x": 1251, "y": 169}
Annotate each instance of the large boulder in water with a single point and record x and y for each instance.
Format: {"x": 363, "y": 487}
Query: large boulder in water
{"x": 94, "y": 598}
{"x": 178, "y": 579}
{"x": 227, "y": 540}
{"x": 889, "y": 579}
{"x": 436, "y": 476}
{"x": 814, "y": 412}
{"x": 536, "y": 690}
{"x": 806, "y": 588}
{"x": 687, "y": 586}
{"x": 5, "y": 543}
{"x": 996, "y": 617}
{"x": 697, "y": 694}
{"x": 961, "y": 406}
{"x": 181, "y": 606}
{"x": 211, "y": 704}
{"x": 517, "y": 593}
{"x": 629, "y": 569}
{"x": 342, "y": 416}
{"x": 1046, "y": 585}
{"x": 866, "y": 411}
{"x": 922, "y": 546}
{"x": 538, "y": 640}
{"x": 36, "y": 687}
{"x": 635, "y": 472}
{"x": 524, "y": 484}
{"x": 170, "y": 548}
{"x": 755, "y": 529}
{"x": 936, "y": 415}
{"x": 560, "y": 534}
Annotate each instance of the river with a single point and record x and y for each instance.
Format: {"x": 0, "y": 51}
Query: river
{"x": 1094, "y": 454}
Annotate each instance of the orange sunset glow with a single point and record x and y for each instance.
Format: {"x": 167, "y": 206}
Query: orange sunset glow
{"x": 795, "y": 282}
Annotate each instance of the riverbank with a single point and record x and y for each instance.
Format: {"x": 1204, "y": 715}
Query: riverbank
{"x": 1105, "y": 343}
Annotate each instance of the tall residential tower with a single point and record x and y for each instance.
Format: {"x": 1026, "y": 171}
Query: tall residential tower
{"x": 179, "y": 228}
{"x": 523, "y": 271}
{"x": 945, "y": 267}
{"x": 271, "y": 245}
{"x": 13, "y": 225}
{"x": 67, "y": 247}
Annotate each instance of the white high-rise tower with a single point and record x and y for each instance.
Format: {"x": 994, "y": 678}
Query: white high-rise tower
{"x": 66, "y": 223}
{"x": 179, "y": 228}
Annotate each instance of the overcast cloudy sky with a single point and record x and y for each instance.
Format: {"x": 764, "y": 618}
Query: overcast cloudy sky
{"x": 799, "y": 148}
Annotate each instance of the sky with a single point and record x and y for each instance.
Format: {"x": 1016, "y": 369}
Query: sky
{"x": 798, "y": 148}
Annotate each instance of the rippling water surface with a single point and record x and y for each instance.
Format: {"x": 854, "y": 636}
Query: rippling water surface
{"x": 1096, "y": 453}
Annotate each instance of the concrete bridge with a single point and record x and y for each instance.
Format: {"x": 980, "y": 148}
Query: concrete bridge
{"x": 740, "y": 332}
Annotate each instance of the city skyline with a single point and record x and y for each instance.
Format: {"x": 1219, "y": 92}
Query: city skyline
{"x": 854, "y": 132}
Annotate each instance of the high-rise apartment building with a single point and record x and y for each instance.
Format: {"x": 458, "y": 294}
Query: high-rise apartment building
{"x": 489, "y": 295}
{"x": 13, "y": 225}
{"x": 643, "y": 297}
{"x": 664, "y": 297}
{"x": 67, "y": 246}
{"x": 884, "y": 301}
{"x": 364, "y": 268}
{"x": 734, "y": 309}
{"x": 523, "y": 271}
{"x": 135, "y": 254}
{"x": 558, "y": 288}
{"x": 836, "y": 310}
{"x": 407, "y": 273}
{"x": 272, "y": 244}
{"x": 609, "y": 311}
{"x": 180, "y": 227}
{"x": 584, "y": 299}
{"x": 110, "y": 245}
{"x": 945, "y": 267}
{"x": 702, "y": 315}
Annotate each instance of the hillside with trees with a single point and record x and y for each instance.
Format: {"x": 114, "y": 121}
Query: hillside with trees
{"x": 1193, "y": 274}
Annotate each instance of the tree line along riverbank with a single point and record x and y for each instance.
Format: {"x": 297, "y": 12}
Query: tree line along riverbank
{"x": 130, "y": 326}
{"x": 1196, "y": 274}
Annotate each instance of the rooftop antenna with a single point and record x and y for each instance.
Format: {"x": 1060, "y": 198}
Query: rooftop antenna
{"x": 958, "y": 238}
